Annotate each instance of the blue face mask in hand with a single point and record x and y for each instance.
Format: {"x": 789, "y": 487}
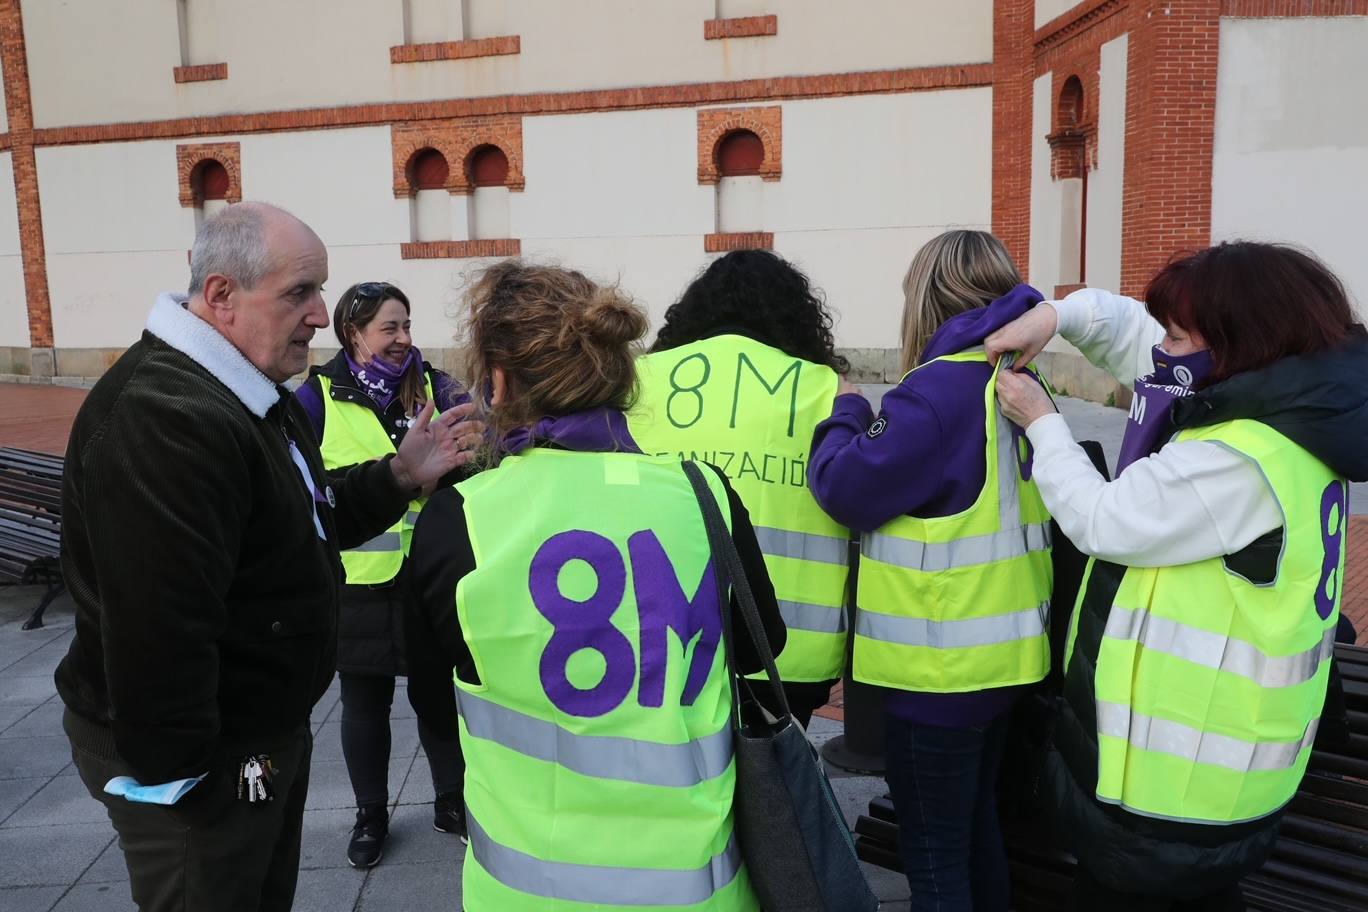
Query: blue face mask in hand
{"x": 1173, "y": 378}
{"x": 165, "y": 793}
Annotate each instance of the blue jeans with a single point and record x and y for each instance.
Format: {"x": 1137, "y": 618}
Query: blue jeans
{"x": 943, "y": 783}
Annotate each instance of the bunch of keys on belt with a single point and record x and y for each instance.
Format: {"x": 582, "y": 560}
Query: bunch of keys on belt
{"x": 254, "y": 779}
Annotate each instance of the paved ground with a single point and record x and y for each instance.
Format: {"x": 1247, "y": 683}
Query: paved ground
{"x": 57, "y": 848}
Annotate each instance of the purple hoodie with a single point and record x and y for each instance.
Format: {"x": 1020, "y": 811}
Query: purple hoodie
{"x": 923, "y": 457}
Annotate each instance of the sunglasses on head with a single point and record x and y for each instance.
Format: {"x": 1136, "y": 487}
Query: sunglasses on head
{"x": 367, "y": 291}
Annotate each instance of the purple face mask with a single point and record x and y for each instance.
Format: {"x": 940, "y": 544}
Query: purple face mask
{"x": 379, "y": 378}
{"x": 1172, "y": 379}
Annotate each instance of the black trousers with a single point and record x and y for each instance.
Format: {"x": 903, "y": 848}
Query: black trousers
{"x": 366, "y": 703}
{"x": 209, "y": 852}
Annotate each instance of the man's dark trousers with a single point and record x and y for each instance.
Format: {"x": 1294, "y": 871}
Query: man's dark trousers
{"x": 210, "y": 851}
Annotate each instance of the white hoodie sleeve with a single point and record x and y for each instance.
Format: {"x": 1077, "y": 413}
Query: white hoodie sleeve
{"x": 1191, "y": 501}
{"x": 1114, "y": 332}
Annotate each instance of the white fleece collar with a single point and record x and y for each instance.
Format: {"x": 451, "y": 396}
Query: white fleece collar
{"x": 175, "y": 325}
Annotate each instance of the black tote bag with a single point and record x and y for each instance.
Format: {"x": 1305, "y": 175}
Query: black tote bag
{"x": 795, "y": 842}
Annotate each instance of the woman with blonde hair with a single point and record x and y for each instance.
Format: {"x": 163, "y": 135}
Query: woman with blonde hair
{"x": 955, "y": 576}
{"x": 572, "y": 589}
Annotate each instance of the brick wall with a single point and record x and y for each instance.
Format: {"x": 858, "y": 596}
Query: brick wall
{"x": 1170, "y": 129}
{"x": 1012, "y": 72}
{"x": 19, "y": 108}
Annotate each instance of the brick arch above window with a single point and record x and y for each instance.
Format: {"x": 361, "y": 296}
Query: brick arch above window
{"x": 456, "y": 140}
{"x": 428, "y": 169}
{"x": 487, "y": 166}
{"x": 715, "y": 125}
{"x": 191, "y": 160}
{"x": 1073, "y": 139}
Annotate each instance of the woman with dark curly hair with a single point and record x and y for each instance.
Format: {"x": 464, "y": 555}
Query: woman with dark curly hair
{"x": 739, "y": 376}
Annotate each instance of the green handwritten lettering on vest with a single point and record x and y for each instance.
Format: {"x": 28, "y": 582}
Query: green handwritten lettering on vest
{"x": 795, "y": 369}
{"x": 695, "y": 391}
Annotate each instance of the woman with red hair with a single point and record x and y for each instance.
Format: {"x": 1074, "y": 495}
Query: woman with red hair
{"x": 1198, "y": 651}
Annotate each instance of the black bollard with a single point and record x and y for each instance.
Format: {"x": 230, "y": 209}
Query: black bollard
{"x": 861, "y": 748}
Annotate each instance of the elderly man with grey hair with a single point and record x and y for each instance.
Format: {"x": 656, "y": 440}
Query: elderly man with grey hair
{"x": 200, "y": 543}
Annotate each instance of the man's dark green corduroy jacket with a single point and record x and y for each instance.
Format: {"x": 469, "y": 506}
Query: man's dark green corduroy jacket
{"x": 206, "y": 602}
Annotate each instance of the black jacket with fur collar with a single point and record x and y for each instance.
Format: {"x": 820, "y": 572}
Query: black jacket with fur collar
{"x": 206, "y": 601}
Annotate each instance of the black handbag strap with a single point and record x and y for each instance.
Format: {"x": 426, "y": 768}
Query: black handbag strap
{"x": 727, "y": 569}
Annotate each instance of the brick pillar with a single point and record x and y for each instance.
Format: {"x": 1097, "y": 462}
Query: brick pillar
{"x": 19, "y": 107}
{"x": 1170, "y": 129}
{"x": 1013, "y": 69}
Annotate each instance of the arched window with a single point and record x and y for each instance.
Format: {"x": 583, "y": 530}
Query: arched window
{"x": 209, "y": 183}
{"x": 487, "y": 171}
{"x": 488, "y": 166}
{"x": 431, "y": 207}
{"x": 1069, "y": 148}
{"x": 740, "y": 154}
{"x": 740, "y": 189}
{"x": 1071, "y": 103}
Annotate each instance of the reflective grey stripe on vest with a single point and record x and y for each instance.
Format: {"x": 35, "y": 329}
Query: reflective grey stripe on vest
{"x": 930, "y": 557}
{"x": 1009, "y": 479}
{"x": 982, "y": 631}
{"x": 814, "y": 618}
{"x": 385, "y": 541}
{"x": 1215, "y": 650}
{"x": 825, "y": 549}
{"x": 411, "y": 517}
{"x": 1194, "y": 745}
{"x": 600, "y": 756}
{"x": 602, "y": 884}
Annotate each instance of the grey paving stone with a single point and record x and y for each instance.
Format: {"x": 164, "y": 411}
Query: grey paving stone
{"x": 326, "y": 833}
{"x": 29, "y": 757}
{"x": 432, "y": 886}
{"x": 329, "y": 786}
{"x": 97, "y": 897}
{"x": 39, "y": 662}
{"x": 413, "y": 840}
{"x": 108, "y": 868}
{"x": 418, "y": 788}
{"x": 44, "y": 720}
{"x": 29, "y": 899}
{"x": 27, "y": 691}
{"x": 63, "y": 800}
{"x": 14, "y": 792}
{"x": 11, "y": 713}
{"x": 331, "y": 890}
{"x": 50, "y": 855}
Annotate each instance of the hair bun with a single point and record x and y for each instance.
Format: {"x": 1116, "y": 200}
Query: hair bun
{"x": 611, "y": 318}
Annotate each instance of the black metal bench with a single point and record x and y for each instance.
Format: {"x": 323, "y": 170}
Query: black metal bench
{"x": 31, "y": 524}
{"x": 1320, "y": 863}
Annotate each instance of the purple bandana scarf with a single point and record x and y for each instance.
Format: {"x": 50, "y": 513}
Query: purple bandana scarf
{"x": 1172, "y": 379}
{"x": 379, "y": 378}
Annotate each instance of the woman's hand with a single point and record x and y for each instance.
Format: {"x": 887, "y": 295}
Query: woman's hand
{"x": 1027, "y": 334}
{"x": 1022, "y": 398}
{"x": 847, "y": 387}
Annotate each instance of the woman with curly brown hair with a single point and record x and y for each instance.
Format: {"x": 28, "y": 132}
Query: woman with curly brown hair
{"x": 571, "y": 587}
{"x": 740, "y": 375}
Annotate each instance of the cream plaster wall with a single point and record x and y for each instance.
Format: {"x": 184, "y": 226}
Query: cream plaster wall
{"x": 1045, "y": 10}
{"x": 4, "y": 114}
{"x": 1291, "y": 148}
{"x": 1053, "y": 248}
{"x": 1105, "y": 181}
{"x": 614, "y": 194}
{"x": 97, "y": 62}
{"x": 14, "y": 328}
{"x": 1046, "y": 199}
